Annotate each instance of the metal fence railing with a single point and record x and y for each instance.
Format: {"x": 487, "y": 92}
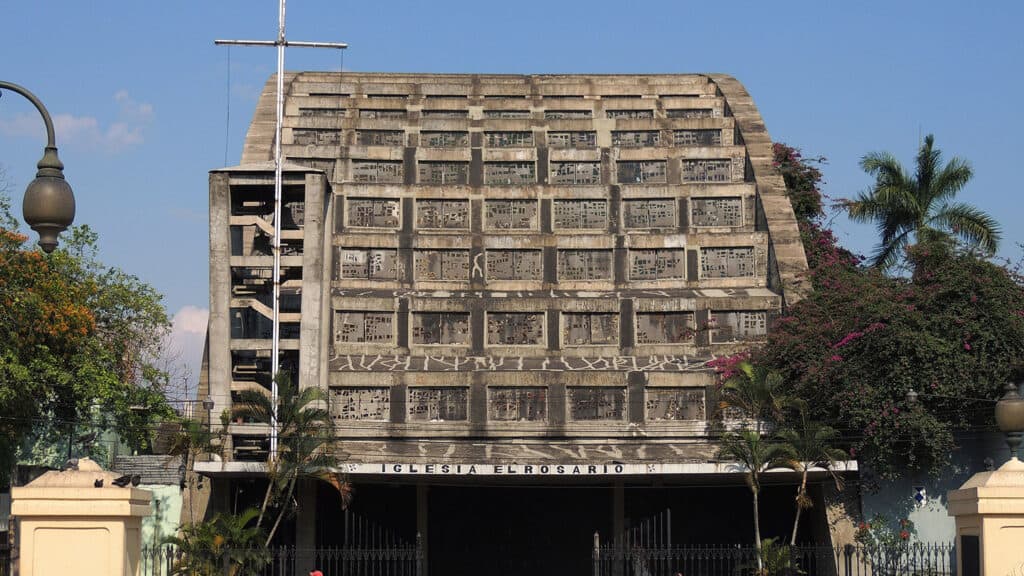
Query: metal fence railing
{"x": 397, "y": 560}
{"x": 912, "y": 560}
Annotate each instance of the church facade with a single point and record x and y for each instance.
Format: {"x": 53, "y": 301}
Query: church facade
{"x": 509, "y": 287}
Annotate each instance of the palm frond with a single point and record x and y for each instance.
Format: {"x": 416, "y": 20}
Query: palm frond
{"x": 953, "y": 177}
{"x": 973, "y": 226}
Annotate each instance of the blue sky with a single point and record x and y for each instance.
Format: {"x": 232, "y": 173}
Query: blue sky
{"x": 141, "y": 93}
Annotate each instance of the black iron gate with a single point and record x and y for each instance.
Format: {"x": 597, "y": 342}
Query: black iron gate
{"x": 367, "y": 550}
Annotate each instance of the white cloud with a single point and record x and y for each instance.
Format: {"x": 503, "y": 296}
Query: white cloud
{"x": 185, "y": 347}
{"x": 126, "y": 131}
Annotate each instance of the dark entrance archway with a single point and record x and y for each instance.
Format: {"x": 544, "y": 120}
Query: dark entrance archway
{"x": 515, "y": 531}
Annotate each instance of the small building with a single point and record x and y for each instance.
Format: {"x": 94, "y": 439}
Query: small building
{"x": 510, "y": 287}
{"x": 164, "y": 477}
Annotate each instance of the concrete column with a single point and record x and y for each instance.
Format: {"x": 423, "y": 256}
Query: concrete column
{"x": 306, "y": 526}
{"x": 422, "y": 524}
{"x": 989, "y": 512}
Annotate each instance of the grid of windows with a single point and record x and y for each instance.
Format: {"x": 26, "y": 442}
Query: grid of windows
{"x": 442, "y": 214}
{"x": 515, "y": 265}
{"x": 437, "y": 404}
{"x": 359, "y": 327}
{"x": 513, "y": 404}
{"x": 636, "y": 138}
{"x": 444, "y": 139}
{"x": 509, "y": 139}
{"x": 664, "y": 327}
{"x": 380, "y": 137}
{"x": 593, "y": 403}
{"x": 575, "y": 173}
{"x": 441, "y": 265}
{"x": 444, "y": 172}
{"x": 642, "y": 171}
{"x": 450, "y": 328}
{"x": 578, "y": 139}
{"x": 374, "y": 212}
{"x": 580, "y": 214}
{"x": 515, "y": 328}
{"x": 590, "y": 329}
{"x": 378, "y": 171}
{"x": 510, "y": 214}
{"x": 649, "y": 213}
{"x": 368, "y": 263}
{"x": 658, "y": 264}
{"x": 497, "y": 173}
{"x": 584, "y": 265}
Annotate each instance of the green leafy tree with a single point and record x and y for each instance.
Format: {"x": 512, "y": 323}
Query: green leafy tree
{"x": 919, "y": 205}
{"x": 305, "y": 445}
{"x": 224, "y": 541}
{"x": 67, "y": 324}
{"x": 754, "y": 454}
{"x": 810, "y": 445}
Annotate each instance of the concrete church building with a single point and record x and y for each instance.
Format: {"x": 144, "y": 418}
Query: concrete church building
{"x": 510, "y": 287}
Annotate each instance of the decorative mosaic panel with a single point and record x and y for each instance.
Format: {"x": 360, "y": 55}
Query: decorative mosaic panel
{"x": 360, "y": 403}
{"x": 374, "y": 212}
{"x": 675, "y": 404}
{"x": 351, "y": 327}
{"x": 568, "y": 114}
{"x": 664, "y": 327}
{"x": 597, "y": 403}
{"x": 519, "y": 404}
{"x": 378, "y": 171}
{"x": 430, "y": 265}
{"x": 316, "y": 136}
{"x": 697, "y": 137}
{"x": 368, "y": 263}
{"x": 581, "y": 139}
{"x": 496, "y": 173}
{"x": 649, "y": 213}
{"x": 515, "y": 265}
{"x": 580, "y": 214}
{"x": 636, "y": 138}
{"x": 510, "y": 214}
{"x": 442, "y": 214}
{"x": 509, "y": 139}
{"x": 659, "y": 264}
{"x": 321, "y": 112}
{"x": 575, "y": 173}
{"x": 689, "y": 113}
{"x": 707, "y": 170}
{"x": 719, "y": 211}
{"x": 590, "y": 329}
{"x": 507, "y": 114}
{"x": 325, "y": 165}
{"x": 727, "y": 262}
{"x": 450, "y": 328}
{"x": 444, "y": 139}
{"x": 584, "y": 265}
{"x": 444, "y": 172}
{"x": 380, "y": 137}
{"x": 382, "y": 114}
{"x": 629, "y": 114}
{"x": 446, "y": 114}
{"x": 739, "y": 326}
{"x": 438, "y": 404}
{"x": 515, "y": 328}
{"x": 293, "y": 213}
{"x": 641, "y": 172}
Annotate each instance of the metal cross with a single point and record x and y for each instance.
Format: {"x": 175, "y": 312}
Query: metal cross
{"x": 281, "y": 43}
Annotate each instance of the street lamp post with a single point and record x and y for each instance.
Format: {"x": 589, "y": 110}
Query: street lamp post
{"x": 49, "y": 204}
{"x": 208, "y": 406}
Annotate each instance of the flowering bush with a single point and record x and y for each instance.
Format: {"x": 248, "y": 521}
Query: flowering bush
{"x": 886, "y": 543}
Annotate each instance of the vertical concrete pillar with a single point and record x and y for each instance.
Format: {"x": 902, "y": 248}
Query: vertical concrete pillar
{"x": 422, "y": 523}
{"x": 78, "y": 522}
{"x": 989, "y": 512}
{"x": 306, "y": 526}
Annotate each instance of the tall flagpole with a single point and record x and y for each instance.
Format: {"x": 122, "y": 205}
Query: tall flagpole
{"x": 275, "y": 351}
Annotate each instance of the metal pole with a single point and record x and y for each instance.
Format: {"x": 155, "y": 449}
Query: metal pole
{"x": 280, "y": 43}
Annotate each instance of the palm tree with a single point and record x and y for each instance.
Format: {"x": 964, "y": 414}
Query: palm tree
{"x": 920, "y": 205}
{"x": 755, "y": 391}
{"x": 305, "y": 441}
{"x": 807, "y": 447}
{"x": 749, "y": 449}
{"x": 191, "y": 439}
{"x": 225, "y": 540}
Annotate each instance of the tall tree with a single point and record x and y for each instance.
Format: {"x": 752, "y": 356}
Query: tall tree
{"x": 755, "y": 454}
{"x": 305, "y": 442}
{"x": 65, "y": 320}
{"x": 920, "y": 205}
{"x": 808, "y": 446}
